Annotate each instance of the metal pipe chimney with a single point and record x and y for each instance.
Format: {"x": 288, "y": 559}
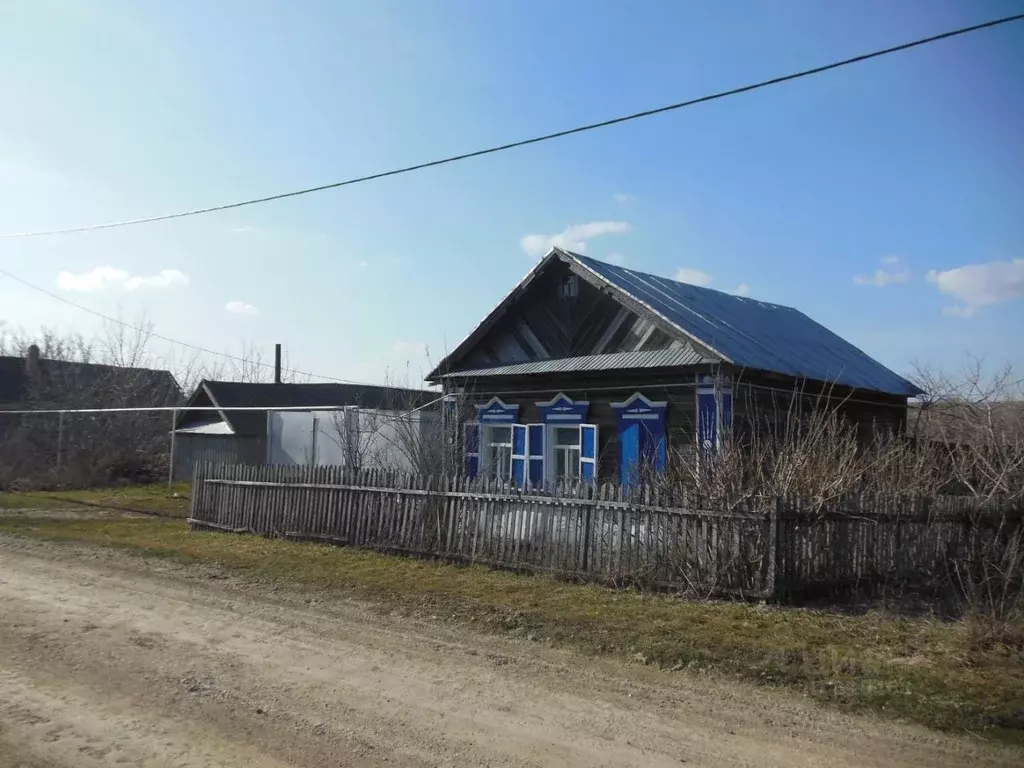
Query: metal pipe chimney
{"x": 277, "y": 363}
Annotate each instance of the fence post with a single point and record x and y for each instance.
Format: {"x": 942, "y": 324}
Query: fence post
{"x": 586, "y": 528}
{"x": 197, "y": 489}
{"x": 773, "y": 543}
{"x": 170, "y": 463}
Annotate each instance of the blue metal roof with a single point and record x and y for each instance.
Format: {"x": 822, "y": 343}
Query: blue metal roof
{"x": 751, "y": 333}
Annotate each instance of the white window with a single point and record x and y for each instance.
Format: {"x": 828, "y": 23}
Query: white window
{"x": 496, "y": 452}
{"x": 565, "y": 450}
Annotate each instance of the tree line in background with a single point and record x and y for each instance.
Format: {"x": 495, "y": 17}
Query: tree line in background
{"x": 115, "y": 369}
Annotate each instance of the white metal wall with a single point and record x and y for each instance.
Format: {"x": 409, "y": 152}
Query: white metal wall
{"x": 368, "y": 438}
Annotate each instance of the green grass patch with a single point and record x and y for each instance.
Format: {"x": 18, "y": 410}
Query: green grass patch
{"x": 156, "y": 497}
{"x": 919, "y": 669}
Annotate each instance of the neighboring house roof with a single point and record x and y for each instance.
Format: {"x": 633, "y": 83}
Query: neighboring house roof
{"x": 232, "y": 394}
{"x": 745, "y": 332}
{"x": 660, "y": 358}
{"x": 71, "y": 384}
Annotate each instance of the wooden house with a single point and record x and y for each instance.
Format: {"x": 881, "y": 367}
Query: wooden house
{"x": 589, "y": 370}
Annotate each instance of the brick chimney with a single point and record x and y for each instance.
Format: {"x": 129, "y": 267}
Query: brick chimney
{"x": 32, "y": 361}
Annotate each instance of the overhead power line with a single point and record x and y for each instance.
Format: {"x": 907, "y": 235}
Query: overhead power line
{"x": 210, "y": 408}
{"x": 535, "y": 139}
{"x": 168, "y": 339}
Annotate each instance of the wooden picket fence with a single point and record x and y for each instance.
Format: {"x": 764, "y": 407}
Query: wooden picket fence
{"x": 763, "y": 549}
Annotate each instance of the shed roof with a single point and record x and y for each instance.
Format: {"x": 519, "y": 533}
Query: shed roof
{"x": 234, "y": 394}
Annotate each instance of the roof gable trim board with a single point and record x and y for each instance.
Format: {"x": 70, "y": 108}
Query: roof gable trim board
{"x": 213, "y": 401}
{"x": 484, "y": 325}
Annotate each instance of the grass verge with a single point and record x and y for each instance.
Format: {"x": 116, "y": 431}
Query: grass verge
{"x": 919, "y": 669}
{"x": 156, "y": 498}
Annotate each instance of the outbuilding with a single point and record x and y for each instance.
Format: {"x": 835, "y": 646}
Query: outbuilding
{"x": 312, "y": 424}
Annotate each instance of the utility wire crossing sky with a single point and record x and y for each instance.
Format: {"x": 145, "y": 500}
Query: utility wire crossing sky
{"x": 534, "y": 140}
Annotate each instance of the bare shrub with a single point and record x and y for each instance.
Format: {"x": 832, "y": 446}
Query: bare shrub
{"x": 962, "y": 454}
{"x": 973, "y": 424}
{"x": 992, "y": 588}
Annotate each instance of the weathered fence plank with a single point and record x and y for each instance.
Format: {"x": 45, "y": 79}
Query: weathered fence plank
{"x": 763, "y": 548}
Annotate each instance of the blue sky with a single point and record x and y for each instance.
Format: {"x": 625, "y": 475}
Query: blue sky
{"x": 885, "y": 200}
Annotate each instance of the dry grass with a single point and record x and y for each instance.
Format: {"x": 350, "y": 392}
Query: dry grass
{"x": 919, "y": 669}
{"x": 156, "y": 499}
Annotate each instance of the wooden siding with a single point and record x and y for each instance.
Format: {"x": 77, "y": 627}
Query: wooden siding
{"x": 601, "y": 390}
{"x": 761, "y": 397}
{"x": 768, "y": 397}
{"x": 543, "y": 324}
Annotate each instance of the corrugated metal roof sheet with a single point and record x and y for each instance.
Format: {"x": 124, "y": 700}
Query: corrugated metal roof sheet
{"x": 217, "y": 427}
{"x": 228, "y": 394}
{"x": 661, "y": 358}
{"x": 754, "y": 334}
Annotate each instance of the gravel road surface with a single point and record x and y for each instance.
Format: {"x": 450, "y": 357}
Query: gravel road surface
{"x": 109, "y": 659}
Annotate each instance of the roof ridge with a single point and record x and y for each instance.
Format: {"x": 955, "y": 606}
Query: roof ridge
{"x": 92, "y": 363}
{"x": 678, "y": 282}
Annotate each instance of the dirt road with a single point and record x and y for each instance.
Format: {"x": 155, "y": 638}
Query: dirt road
{"x": 107, "y": 659}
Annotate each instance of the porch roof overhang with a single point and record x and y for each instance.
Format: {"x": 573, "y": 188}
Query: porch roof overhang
{"x": 616, "y": 361}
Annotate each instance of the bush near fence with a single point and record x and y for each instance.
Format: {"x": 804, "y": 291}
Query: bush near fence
{"x": 760, "y": 548}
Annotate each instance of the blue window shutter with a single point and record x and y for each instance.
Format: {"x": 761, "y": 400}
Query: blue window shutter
{"x": 642, "y": 437}
{"x": 520, "y": 454}
{"x": 629, "y": 452}
{"x": 707, "y": 420}
{"x": 588, "y": 452}
{"x": 536, "y": 446}
{"x": 472, "y": 438}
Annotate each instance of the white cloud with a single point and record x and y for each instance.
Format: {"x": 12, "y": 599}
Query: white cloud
{"x": 104, "y": 278}
{"x": 692, "y": 276}
{"x": 572, "y": 238}
{"x": 742, "y": 290}
{"x": 615, "y": 258}
{"x": 883, "y": 277}
{"x": 363, "y": 264}
{"x": 622, "y": 197}
{"x": 241, "y": 308}
{"x": 980, "y": 285}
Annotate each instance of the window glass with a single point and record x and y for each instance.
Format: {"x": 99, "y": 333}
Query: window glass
{"x": 499, "y": 435}
{"x": 497, "y": 454}
{"x": 567, "y": 436}
{"x": 566, "y": 450}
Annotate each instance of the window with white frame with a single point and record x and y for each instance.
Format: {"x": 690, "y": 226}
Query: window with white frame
{"x": 496, "y": 452}
{"x": 565, "y": 452}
